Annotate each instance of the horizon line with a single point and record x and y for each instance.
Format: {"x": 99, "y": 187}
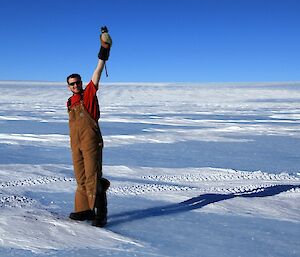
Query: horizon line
{"x": 154, "y": 83}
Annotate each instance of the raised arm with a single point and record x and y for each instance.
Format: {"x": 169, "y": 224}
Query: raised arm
{"x": 106, "y": 43}
{"x": 97, "y": 73}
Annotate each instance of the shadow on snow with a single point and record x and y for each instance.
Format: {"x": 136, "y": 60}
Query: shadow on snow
{"x": 195, "y": 203}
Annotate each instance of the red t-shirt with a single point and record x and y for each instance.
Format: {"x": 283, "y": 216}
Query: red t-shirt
{"x": 90, "y": 100}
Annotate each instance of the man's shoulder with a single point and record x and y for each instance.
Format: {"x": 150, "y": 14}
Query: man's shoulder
{"x": 90, "y": 86}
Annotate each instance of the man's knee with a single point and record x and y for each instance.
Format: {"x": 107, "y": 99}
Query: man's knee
{"x": 102, "y": 185}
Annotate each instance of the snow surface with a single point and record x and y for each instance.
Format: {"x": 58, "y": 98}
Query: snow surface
{"x": 196, "y": 170}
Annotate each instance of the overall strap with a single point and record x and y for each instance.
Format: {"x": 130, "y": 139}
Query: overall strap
{"x": 69, "y": 102}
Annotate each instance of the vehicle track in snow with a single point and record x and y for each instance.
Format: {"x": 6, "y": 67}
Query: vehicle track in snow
{"x": 252, "y": 182}
{"x": 34, "y": 181}
{"x": 225, "y": 176}
{"x": 18, "y": 200}
{"x": 15, "y": 201}
{"x": 139, "y": 189}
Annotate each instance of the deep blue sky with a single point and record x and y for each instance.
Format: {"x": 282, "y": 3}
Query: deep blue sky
{"x": 154, "y": 40}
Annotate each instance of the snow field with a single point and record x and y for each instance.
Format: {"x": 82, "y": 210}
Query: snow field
{"x": 195, "y": 169}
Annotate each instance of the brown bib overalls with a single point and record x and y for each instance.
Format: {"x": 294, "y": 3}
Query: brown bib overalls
{"x": 86, "y": 144}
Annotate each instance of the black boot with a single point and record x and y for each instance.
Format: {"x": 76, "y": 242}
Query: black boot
{"x": 83, "y": 215}
{"x": 100, "y": 219}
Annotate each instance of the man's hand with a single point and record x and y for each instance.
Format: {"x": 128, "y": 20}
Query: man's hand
{"x": 106, "y": 43}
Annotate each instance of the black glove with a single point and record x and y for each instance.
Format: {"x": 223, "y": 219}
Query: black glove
{"x": 103, "y": 53}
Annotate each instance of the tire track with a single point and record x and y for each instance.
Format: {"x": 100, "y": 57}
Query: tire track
{"x": 256, "y": 184}
{"x": 34, "y": 182}
{"x": 222, "y": 177}
{"x": 15, "y": 201}
{"x": 146, "y": 188}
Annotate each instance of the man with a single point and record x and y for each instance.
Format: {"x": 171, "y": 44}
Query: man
{"x": 86, "y": 142}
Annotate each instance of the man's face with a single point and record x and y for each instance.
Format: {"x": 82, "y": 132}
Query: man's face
{"x": 75, "y": 85}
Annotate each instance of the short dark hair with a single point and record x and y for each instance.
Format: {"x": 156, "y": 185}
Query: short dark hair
{"x": 74, "y": 75}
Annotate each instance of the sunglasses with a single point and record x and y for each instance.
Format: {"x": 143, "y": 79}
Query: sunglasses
{"x": 76, "y": 82}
